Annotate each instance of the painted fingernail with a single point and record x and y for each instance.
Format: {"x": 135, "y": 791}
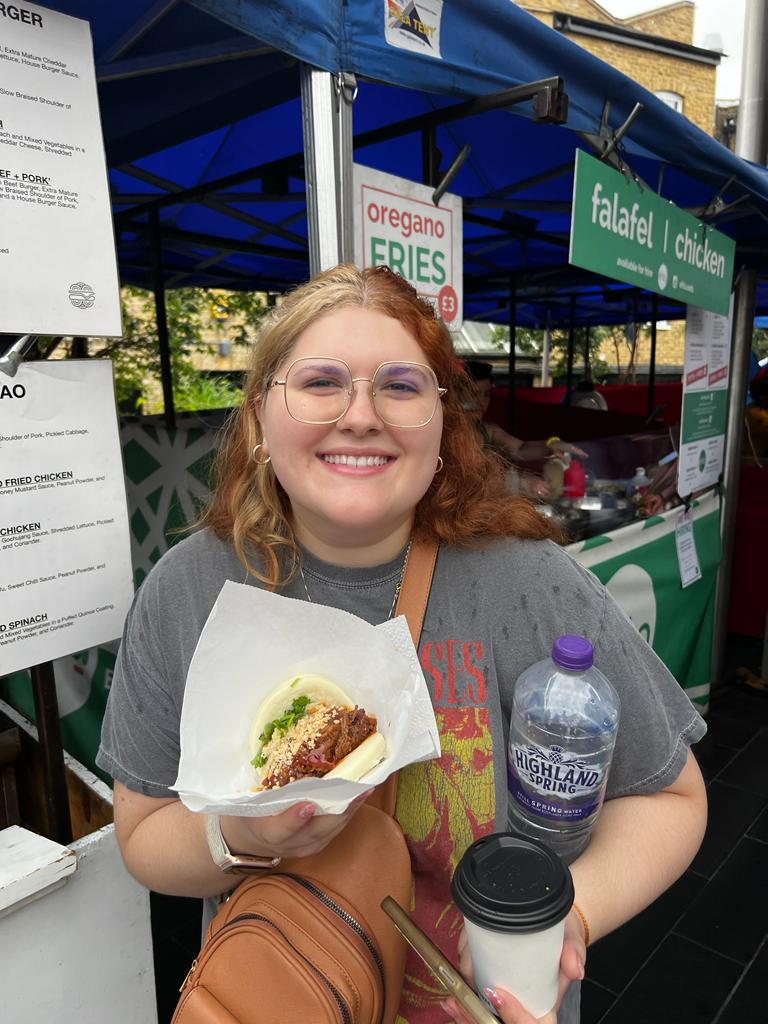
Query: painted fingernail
{"x": 493, "y": 997}
{"x": 307, "y": 811}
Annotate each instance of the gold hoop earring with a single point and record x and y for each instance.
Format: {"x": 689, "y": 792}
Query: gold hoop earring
{"x": 439, "y": 465}
{"x": 253, "y": 455}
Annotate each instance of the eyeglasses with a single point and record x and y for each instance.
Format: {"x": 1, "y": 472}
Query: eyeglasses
{"x": 319, "y": 389}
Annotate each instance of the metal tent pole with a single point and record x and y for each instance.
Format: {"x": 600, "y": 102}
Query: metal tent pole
{"x": 326, "y": 110}
{"x": 545, "y": 353}
{"x": 512, "y": 354}
{"x": 571, "y": 343}
{"x": 57, "y": 816}
{"x": 752, "y": 144}
{"x": 652, "y": 361}
{"x": 161, "y": 314}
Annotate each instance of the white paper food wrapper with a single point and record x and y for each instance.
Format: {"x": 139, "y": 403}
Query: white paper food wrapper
{"x": 252, "y": 642}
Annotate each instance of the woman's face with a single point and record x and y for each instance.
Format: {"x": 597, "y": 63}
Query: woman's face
{"x": 340, "y": 507}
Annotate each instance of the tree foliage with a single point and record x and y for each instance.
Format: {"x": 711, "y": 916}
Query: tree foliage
{"x": 192, "y": 316}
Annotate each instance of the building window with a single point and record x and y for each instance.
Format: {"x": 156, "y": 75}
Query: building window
{"x": 672, "y": 99}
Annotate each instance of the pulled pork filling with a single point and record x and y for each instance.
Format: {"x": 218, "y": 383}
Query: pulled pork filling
{"x": 316, "y": 744}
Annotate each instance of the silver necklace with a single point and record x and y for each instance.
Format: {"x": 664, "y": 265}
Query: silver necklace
{"x": 397, "y": 587}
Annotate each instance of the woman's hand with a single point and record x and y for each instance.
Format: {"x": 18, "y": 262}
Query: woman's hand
{"x": 509, "y": 1009}
{"x": 560, "y": 447}
{"x": 534, "y": 487}
{"x": 298, "y": 832}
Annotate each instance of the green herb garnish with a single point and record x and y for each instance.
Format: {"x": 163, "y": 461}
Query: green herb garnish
{"x": 290, "y": 716}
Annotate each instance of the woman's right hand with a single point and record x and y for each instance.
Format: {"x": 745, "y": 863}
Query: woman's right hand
{"x": 298, "y": 832}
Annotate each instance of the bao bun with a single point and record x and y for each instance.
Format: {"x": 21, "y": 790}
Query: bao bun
{"x": 319, "y": 690}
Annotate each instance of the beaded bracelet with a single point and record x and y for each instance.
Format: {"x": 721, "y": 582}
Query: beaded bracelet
{"x": 551, "y": 441}
{"x": 580, "y": 914}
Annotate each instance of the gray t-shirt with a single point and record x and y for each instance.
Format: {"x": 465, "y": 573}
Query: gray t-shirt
{"x": 493, "y": 611}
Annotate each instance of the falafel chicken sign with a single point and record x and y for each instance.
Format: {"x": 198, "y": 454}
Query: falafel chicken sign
{"x": 65, "y": 562}
{"x": 398, "y": 225}
{"x": 57, "y": 249}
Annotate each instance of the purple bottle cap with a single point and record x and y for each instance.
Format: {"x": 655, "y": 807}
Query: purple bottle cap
{"x": 574, "y": 652}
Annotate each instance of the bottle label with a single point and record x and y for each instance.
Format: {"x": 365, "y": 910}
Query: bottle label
{"x": 554, "y": 784}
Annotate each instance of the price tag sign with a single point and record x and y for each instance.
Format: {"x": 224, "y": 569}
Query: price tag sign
{"x": 687, "y": 556}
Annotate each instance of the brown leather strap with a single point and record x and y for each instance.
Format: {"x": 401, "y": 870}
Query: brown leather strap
{"x": 417, "y": 580}
{"x": 411, "y": 602}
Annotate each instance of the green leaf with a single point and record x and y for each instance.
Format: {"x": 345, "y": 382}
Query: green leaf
{"x": 289, "y": 717}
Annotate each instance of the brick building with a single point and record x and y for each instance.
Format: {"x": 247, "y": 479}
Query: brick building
{"x": 655, "y": 48}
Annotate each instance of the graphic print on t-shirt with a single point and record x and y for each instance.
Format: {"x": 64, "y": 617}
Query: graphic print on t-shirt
{"x": 443, "y": 806}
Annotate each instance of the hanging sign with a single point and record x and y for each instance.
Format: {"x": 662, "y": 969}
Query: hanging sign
{"x": 65, "y": 562}
{"x": 630, "y": 234}
{"x": 57, "y": 249}
{"x": 705, "y": 400}
{"x": 398, "y": 225}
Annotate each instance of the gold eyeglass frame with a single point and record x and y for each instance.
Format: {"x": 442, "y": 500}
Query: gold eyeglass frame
{"x": 439, "y": 392}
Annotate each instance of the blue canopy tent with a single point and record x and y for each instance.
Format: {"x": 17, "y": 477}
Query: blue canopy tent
{"x": 202, "y": 120}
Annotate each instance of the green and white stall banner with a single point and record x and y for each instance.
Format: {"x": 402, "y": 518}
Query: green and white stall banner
{"x": 639, "y": 566}
{"x": 167, "y": 475}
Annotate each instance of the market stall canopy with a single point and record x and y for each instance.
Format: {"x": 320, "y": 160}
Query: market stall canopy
{"x": 202, "y": 123}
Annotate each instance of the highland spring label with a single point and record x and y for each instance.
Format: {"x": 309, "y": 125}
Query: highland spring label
{"x": 551, "y": 782}
{"x": 626, "y": 232}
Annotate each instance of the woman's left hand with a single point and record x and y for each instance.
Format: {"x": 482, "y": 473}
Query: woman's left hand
{"x": 509, "y": 1009}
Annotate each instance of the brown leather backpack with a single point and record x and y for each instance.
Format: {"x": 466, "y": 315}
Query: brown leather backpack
{"x": 308, "y": 941}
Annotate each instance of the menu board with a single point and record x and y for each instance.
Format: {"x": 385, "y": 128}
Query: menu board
{"x": 57, "y": 249}
{"x": 705, "y": 399}
{"x": 65, "y": 560}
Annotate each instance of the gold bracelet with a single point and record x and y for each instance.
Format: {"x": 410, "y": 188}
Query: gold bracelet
{"x": 551, "y": 441}
{"x": 580, "y": 914}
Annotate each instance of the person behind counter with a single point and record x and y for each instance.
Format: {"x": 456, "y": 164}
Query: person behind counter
{"x": 584, "y": 396}
{"x": 350, "y": 440}
{"x": 495, "y": 436}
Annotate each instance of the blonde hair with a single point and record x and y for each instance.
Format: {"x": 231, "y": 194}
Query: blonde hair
{"x": 466, "y": 502}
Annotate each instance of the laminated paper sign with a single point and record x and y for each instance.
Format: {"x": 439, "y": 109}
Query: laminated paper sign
{"x": 398, "y": 225}
{"x": 705, "y": 400}
{"x": 65, "y": 560}
{"x": 57, "y": 250}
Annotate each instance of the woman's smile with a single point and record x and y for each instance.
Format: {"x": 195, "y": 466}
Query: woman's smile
{"x": 356, "y": 462}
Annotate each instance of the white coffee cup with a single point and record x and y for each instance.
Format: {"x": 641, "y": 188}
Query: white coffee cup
{"x": 515, "y": 894}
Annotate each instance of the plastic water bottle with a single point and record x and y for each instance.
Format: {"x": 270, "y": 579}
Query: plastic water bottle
{"x": 562, "y": 732}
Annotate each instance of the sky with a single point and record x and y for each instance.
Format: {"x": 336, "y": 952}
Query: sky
{"x": 718, "y": 24}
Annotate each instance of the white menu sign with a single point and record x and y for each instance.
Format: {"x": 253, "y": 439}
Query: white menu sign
{"x": 398, "y": 225}
{"x": 65, "y": 562}
{"x": 705, "y": 399}
{"x": 57, "y": 249}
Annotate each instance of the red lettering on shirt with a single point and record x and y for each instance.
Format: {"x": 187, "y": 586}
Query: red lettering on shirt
{"x": 476, "y": 695}
{"x": 455, "y": 672}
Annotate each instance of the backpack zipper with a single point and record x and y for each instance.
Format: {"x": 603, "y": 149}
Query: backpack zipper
{"x": 346, "y": 917}
{"x": 344, "y": 1010}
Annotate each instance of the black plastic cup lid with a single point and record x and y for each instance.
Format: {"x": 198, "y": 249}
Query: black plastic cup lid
{"x": 509, "y": 883}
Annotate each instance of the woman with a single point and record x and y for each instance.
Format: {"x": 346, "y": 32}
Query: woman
{"x": 351, "y": 439}
{"x": 511, "y": 449}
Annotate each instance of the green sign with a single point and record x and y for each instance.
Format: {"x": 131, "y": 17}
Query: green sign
{"x": 623, "y": 231}
{"x": 704, "y": 415}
